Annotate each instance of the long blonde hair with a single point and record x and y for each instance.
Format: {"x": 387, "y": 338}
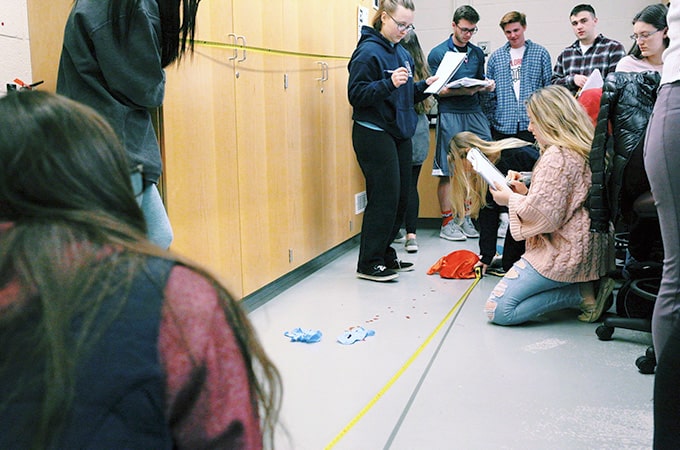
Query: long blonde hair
{"x": 560, "y": 120}
{"x": 466, "y": 185}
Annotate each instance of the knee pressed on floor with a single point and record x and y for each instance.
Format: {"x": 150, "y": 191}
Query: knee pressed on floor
{"x": 498, "y": 292}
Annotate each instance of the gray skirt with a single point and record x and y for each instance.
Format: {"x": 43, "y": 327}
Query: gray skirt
{"x": 421, "y": 140}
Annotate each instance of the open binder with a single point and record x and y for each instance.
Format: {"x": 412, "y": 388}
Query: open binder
{"x": 484, "y": 167}
{"x": 447, "y": 68}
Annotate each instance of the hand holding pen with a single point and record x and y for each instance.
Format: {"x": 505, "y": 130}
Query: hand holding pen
{"x": 399, "y": 76}
{"x": 518, "y": 181}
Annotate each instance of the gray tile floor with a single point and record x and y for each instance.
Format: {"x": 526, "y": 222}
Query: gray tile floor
{"x": 436, "y": 375}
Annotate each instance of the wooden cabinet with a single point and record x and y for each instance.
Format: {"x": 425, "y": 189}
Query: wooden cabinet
{"x": 46, "y": 21}
{"x": 260, "y": 173}
{"x": 200, "y": 151}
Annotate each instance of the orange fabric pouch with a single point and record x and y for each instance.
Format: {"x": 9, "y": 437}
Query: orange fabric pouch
{"x": 459, "y": 264}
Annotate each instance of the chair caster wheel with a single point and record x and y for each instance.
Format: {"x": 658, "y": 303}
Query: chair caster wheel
{"x": 604, "y": 333}
{"x": 649, "y": 353}
{"x": 645, "y": 364}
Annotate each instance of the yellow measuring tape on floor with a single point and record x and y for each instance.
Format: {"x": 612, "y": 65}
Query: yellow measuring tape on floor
{"x": 395, "y": 377}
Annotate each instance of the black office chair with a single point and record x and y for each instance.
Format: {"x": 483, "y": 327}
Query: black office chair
{"x": 619, "y": 192}
{"x": 645, "y": 281}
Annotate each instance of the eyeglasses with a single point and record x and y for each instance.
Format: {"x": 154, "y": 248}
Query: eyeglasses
{"x": 402, "y": 26}
{"x": 642, "y": 36}
{"x": 467, "y": 30}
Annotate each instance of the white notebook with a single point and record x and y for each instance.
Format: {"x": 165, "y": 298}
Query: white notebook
{"x": 447, "y": 68}
{"x": 485, "y": 168}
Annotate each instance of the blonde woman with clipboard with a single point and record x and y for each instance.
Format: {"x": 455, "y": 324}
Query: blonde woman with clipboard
{"x": 468, "y": 186}
{"x": 564, "y": 265}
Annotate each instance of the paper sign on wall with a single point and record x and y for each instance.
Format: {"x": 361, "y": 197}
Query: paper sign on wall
{"x": 362, "y": 19}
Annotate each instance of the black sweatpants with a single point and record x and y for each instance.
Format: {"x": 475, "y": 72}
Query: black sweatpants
{"x": 386, "y": 165}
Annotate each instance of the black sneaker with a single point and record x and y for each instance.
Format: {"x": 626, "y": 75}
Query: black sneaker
{"x": 495, "y": 271}
{"x": 400, "y": 266}
{"x": 377, "y": 273}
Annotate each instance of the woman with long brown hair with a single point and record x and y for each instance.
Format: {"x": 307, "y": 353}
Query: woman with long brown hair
{"x": 109, "y": 341}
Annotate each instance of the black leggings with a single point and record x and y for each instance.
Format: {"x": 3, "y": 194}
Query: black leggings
{"x": 386, "y": 165}
{"x": 488, "y": 236}
{"x": 411, "y": 218}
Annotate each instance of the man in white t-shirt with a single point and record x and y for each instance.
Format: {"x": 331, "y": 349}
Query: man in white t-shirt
{"x": 519, "y": 68}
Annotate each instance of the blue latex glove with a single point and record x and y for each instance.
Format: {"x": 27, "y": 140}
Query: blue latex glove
{"x": 354, "y": 335}
{"x": 303, "y": 335}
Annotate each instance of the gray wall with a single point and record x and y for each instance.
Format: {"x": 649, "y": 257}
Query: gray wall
{"x": 547, "y": 21}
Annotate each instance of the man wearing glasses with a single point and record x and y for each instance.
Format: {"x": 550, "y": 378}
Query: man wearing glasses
{"x": 459, "y": 110}
{"x": 590, "y": 51}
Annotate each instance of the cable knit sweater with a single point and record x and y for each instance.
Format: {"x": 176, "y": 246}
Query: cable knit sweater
{"x": 553, "y": 219}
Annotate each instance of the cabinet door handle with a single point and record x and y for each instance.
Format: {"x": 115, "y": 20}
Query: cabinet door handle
{"x": 243, "y": 40}
{"x": 233, "y": 41}
{"x": 321, "y": 66}
{"x": 324, "y": 71}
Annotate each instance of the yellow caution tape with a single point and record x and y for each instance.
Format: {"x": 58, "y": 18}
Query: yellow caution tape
{"x": 395, "y": 377}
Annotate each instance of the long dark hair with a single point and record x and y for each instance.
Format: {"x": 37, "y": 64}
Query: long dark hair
{"x": 655, "y": 15}
{"x": 421, "y": 70}
{"x": 178, "y": 25}
{"x": 65, "y": 191}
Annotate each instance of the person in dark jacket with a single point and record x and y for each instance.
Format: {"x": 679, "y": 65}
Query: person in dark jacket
{"x": 506, "y": 154}
{"x": 382, "y": 93}
{"x": 112, "y": 60}
{"x": 619, "y": 176}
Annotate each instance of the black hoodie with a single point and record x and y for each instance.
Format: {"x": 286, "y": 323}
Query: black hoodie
{"x": 370, "y": 89}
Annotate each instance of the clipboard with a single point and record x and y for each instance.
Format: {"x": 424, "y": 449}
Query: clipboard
{"x": 446, "y": 70}
{"x": 481, "y": 164}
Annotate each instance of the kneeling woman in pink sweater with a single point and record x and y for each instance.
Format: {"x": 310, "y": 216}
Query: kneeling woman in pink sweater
{"x": 564, "y": 264}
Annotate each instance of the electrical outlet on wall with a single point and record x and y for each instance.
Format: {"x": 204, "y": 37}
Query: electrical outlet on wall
{"x": 360, "y": 202}
{"x": 485, "y": 46}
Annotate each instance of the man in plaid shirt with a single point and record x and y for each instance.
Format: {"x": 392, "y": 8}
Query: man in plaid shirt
{"x": 591, "y": 51}
{"x": 519, "y": 68}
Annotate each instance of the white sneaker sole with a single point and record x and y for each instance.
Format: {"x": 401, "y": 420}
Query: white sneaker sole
{"x": 451, "y": 238}
{"x": 377, "y": 278}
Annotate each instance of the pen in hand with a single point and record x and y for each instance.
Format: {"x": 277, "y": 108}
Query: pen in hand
{"x": 392, "y": 71}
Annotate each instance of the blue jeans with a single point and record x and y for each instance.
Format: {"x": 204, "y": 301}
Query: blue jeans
{"x": 159, "y": 230}
{"x": 524, "y": 294}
